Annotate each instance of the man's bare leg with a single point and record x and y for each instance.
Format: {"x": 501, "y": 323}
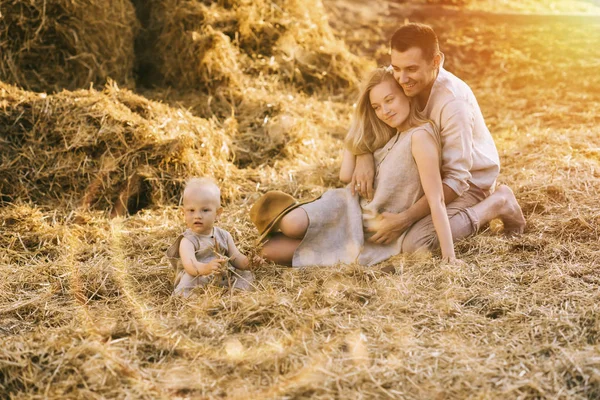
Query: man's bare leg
{"x": 501, "y": 204}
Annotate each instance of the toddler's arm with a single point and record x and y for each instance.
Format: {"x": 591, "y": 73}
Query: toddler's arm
{"x": 191, "y": 265}
{"x": 236, "y": 258}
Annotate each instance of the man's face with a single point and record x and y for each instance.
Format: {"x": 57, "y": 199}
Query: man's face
{"x": 413, "y": 72}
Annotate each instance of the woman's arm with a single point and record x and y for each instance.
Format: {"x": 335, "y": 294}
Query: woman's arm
{"x": 347, "y": 168}
{"x": 427, "y": 155}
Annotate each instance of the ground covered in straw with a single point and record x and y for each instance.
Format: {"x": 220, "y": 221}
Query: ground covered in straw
{"x": 85, "y": 305}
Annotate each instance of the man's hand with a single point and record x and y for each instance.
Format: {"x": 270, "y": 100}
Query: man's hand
{"x": 211, "y": 267}
{"x": 389, "y": 227}
{"x": 363, "y": 176}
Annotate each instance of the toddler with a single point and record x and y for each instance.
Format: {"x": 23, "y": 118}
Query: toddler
{"x": 205, "y": 253}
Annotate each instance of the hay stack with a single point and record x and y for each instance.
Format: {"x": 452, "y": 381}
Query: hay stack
{"x": 226, "y": 43}
{"x": 192, "y": 45}
{"x": 54, "y": 44}
{"x": 293, "y": 38}
{"x": 107, "y": 150}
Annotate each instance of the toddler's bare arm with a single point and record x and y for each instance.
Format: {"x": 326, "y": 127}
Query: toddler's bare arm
{"x": 237, "y": 259}
{"x": 191, "y": 265}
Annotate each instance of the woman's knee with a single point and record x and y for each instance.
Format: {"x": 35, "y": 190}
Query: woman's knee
{"x": 294, "y": 224}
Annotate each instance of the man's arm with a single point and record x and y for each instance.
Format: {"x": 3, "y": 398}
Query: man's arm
{"x": 421, "y": 208}
{"x": 392, "y": 225}
{"x": 457, "y": 123}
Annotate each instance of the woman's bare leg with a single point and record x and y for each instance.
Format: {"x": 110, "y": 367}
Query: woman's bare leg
{"x": 294, "y": 224}
{"x": 280, "y": 247}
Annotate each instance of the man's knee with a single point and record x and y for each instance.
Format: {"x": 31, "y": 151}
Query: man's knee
{"x": 417, "y": 243}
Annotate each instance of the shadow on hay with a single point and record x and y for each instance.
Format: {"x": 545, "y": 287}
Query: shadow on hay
{"x": 109, "y": 150}
{"x": 61, "y": 44}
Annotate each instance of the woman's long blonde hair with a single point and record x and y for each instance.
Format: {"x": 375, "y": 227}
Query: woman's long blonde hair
{"x": 367, "y": 132}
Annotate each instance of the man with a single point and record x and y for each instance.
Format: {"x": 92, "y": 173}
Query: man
{"x": 470, "y": 163}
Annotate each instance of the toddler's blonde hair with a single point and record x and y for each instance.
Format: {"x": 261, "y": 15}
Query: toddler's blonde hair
{"x": 205, "y": 184}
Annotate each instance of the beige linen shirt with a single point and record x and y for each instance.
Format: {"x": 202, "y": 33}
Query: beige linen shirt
{"x": 469, "y": 155}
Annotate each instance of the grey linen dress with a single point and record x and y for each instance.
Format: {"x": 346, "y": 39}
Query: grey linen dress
{"x": 338, "y": 221}
{"x": 207, "y": 248}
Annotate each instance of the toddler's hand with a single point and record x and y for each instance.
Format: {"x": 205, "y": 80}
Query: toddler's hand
{"x": 211, "y": 267}
{"x": 258, "y": 260}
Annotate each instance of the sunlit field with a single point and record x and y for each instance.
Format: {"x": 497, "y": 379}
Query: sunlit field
{"x": 260, "y": 96}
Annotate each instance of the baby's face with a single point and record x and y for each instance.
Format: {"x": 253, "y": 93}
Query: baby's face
{"x": 200, "y": 211}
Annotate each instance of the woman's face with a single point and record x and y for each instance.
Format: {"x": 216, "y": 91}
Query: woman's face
{"x": 390, "y": 103}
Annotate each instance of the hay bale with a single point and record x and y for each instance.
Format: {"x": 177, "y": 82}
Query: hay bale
{"x": 192, "y": 47}
{"x": 109, "y": 150}
{"x": 64, "y": 44}
{"x": 226, "y": 43}
{"x": 305, "y": 50}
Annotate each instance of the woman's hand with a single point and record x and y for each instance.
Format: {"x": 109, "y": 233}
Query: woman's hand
{"x": 363, "y": 176}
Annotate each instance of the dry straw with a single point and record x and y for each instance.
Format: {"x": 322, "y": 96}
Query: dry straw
{"x": 207, "y": 46}
{"x": 85, "y": 300}
{"x": 54, "y": 44}
{"x": 192, "y": 51}
{"x": 110, "y": 150}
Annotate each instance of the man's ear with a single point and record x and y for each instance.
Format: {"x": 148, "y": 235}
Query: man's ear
{"x": 437, "y": 59}
{"x": 219, "y": 211}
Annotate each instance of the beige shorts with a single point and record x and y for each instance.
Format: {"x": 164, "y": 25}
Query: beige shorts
{"x": 463, "y": 223}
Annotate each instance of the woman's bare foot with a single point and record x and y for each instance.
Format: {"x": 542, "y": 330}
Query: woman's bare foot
{"x": 510, "y": 212}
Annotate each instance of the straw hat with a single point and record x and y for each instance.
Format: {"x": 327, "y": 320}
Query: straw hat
{"x": 269, "y": 209}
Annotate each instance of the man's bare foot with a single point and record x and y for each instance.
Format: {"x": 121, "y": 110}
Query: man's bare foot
{"x": 510, "y": 212}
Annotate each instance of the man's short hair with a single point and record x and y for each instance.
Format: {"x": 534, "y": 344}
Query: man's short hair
{"x": 416, "y": 35}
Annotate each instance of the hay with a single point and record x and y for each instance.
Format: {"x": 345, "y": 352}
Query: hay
{"x": 291, "y": 39}
{"x": 225, "y": 44}
{"x": 85, "y": 305}
{"x": 192, "y": 52}
{"x": 64, "y": 44}
{"x": 110, "y": 150}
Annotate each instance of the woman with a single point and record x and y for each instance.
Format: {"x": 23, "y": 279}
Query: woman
{"x": 336, "y": 227}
